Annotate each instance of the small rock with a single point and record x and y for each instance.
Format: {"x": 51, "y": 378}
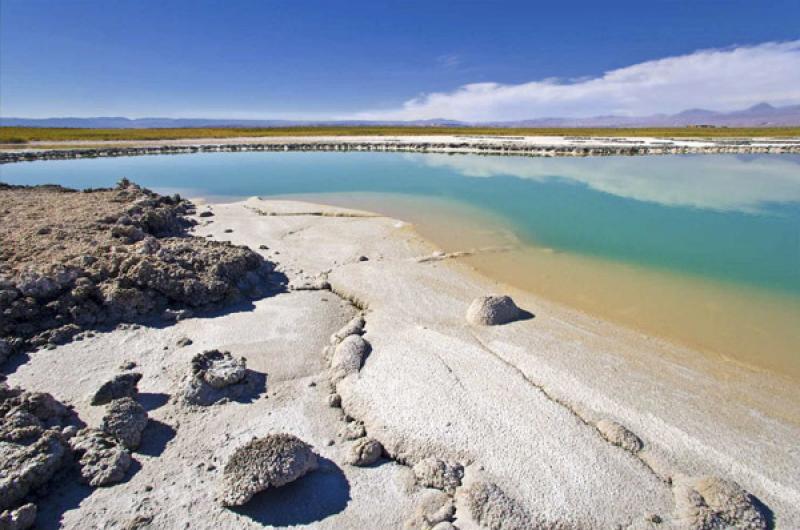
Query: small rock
{"x": 217, "y": 377}
{"x": 271, "y": 461}
{"x": 329, "y": 442}
{"x": 127, "y": 365}
{"x": 183, "y": 342}
{"x": 263, "y": 247}
{"x": 206, "y": 213}
{"x": 219, "y": 369}
{"x": 619, "y": 435}
{"x": 176, "y": 315}
{"x": 365, "y": 452}
{"x": 493, "y": 310}
{"x": 125, "y": 420}
{"x": 335, "y": 401}
{"x": 228, "y": 230}
{"x": 18, "y": 519}
{"x": 363, "y": 258}
{"x": 123, "y": 385}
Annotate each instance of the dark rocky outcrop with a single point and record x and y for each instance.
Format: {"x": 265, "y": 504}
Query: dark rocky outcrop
{"x": 34, "y": 429}
{"x": 73, "y": 260}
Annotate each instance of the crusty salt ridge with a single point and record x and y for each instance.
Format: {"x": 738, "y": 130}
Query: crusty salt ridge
{"x": 520, "y": 400}
{"x": 509, "y": 144}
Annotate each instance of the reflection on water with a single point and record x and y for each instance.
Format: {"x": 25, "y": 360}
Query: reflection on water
{"x": 741, "y": 183}
{"x": 718, "y": 229}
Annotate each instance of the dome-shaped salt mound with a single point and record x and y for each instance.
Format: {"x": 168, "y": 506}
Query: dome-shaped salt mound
{"x": 493, "y": 310}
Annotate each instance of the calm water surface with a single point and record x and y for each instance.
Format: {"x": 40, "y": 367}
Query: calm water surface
{"x": 703, "y": 249}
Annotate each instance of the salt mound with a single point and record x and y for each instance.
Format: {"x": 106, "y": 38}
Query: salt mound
{"x": 493, "y": 310}
{"x": 365, "y": 452}
{"x": 709, "y": 503}
{"x": 619, "y": 435}
{"x": 271, "y": 461}
{"x": 347, "y": 357}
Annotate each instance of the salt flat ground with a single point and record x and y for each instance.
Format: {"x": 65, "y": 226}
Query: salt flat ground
{"x": 517, "y": 403}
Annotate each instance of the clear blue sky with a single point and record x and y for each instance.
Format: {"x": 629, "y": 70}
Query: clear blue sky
{"x": 265, "y": 59}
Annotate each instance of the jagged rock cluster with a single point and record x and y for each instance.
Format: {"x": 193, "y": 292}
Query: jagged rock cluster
{"x": 34, "y": 445}
{"x": 271, "y": 461}
{"x": 72, "y": 260}
{"x": 39, "y": 437}
{"x": 216, "y": 376}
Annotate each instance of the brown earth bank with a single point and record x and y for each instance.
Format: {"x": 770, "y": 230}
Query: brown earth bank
{"x": 71, "y": 261}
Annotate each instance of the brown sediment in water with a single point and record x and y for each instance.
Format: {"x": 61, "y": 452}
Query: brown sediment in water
{"x": 746, "y": 325}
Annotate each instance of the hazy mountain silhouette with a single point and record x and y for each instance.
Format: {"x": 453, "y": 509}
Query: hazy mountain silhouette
{"x": 761, "y": 115}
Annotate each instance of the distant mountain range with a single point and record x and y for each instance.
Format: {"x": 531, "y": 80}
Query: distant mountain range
{"x": 761, "y": 115}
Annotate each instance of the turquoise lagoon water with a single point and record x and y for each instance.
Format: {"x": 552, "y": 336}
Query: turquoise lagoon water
{"x": 727, "y": 219}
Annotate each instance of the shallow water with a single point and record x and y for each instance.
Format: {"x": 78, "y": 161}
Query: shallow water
{"x": 701, "y": 249}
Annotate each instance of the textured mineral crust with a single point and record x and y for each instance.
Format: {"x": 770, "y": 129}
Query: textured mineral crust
{"x": 268, "y": 462}
{"x": 433, "y": 472}
{"x": 492, "y": 508}
{"x": 493, "y": 311}
{"x": 101, "y": 459}
{"x": 434, "y": 509}
{"x": 73, "y": 260}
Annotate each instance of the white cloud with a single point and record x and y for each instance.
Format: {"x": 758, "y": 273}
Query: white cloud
{"x": 716, "y": 79}
{"x": 728, "y": 183}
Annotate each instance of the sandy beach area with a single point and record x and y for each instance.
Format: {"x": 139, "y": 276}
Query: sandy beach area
{"x": 553, "y": 420}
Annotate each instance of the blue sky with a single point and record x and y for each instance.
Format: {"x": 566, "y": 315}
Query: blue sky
{"x": 411, "y": 59}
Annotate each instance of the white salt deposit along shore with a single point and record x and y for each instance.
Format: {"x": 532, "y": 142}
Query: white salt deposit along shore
{"x": 555, "y": 420}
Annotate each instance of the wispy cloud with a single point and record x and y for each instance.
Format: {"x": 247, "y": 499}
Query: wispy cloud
{"x": 718, "y": 79}
{"x": 449, "y": 61}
